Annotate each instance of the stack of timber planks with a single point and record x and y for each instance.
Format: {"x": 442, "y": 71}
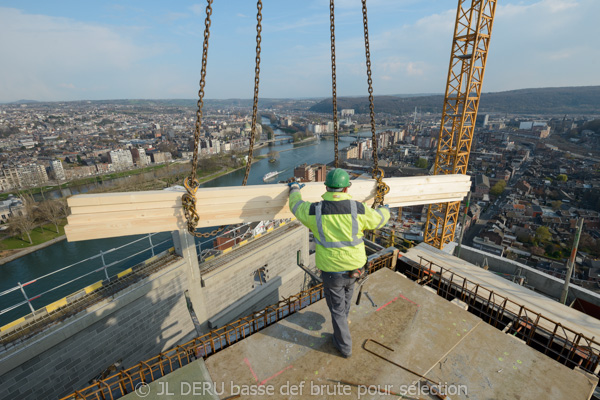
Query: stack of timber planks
{"x": 95, "y": 216}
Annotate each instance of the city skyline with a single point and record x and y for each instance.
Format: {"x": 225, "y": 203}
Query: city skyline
{"x": 76, "y": 51}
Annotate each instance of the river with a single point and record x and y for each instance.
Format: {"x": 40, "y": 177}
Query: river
{"x": 62, "y": 254}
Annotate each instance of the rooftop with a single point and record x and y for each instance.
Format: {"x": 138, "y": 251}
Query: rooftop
{"x": 409, "y": 328}
{"x": 550, "y": 309}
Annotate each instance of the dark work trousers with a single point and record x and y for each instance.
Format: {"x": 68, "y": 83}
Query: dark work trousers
{"x": 338, "y": 289}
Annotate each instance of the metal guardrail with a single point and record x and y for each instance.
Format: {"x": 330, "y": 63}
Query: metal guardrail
{"x": 105, "y": 266}
{"x": 240, "y": 239}
{"x": 30, "y": 325}
{"x": 126, "y": 381}
{"x": 389, "y": 238}
{"x": 203, "y": 255}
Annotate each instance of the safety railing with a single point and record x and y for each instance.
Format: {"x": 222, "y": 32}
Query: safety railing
{"x": 205, "y": 252}
{"x": 126, "y": 381}
{"x": 99, "y": 259}
{"x": 551, "y": 338}
{"x": 389, "y": 238}
{"x": 238, "y": 239}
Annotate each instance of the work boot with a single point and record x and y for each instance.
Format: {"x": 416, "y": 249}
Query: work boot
{"x": 338, "y": 348}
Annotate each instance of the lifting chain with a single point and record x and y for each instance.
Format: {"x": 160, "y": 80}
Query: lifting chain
{"x": 256, "y": 82}
{"x": 334, "y": 83}
{"x": 382, "y": 187}
{"x": 191, "y": 184}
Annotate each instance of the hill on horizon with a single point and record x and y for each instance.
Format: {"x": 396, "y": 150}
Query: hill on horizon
{"x": 562, "y": 100}
{"x": 559, "y": 100}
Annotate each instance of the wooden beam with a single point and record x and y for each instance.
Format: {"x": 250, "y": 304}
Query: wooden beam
{"x": 95, "y": 216}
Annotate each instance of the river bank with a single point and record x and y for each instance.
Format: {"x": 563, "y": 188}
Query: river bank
{"x": 14, "y": 254}
{"x": 10, "y": 255}
{"x": 135, "y": 184}
{"x": 75, "y": 187}
{"x": 219, "y": 174}
{"x": 40, "y": 190}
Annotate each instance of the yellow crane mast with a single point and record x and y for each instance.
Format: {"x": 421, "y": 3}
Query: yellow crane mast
{"x": 470, "y": 45}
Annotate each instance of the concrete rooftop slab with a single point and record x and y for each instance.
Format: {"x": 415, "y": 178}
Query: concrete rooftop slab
{"x": 569, "y": 317}
{"x": 295, "y": 359}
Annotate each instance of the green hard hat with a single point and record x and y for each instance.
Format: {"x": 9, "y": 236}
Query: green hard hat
{"x": 337, "y": 178}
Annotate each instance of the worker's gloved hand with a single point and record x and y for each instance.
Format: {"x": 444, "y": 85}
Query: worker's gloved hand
{"x": 295, "y": 185}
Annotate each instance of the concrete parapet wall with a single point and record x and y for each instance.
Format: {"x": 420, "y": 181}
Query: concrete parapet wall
{"x": 151, "y": 315}
{"x": 233, "y": 290}
{"x": 136, "y": 323}
{"x": 543, "y": 283}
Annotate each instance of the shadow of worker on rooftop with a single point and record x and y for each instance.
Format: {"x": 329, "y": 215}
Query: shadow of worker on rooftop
{"x": 304, "y": 328}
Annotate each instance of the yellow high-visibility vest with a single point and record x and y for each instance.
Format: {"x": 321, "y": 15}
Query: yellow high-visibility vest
{"x": 337, "y": 224}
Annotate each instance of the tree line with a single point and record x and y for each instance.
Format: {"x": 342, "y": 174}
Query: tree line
{"x": 34, "y": 214}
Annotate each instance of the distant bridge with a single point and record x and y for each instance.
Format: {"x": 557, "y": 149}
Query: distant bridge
{"x": 282, "y": 140}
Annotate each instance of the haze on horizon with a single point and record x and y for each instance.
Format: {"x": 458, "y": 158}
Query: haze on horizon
{"x": 71, "y": 50}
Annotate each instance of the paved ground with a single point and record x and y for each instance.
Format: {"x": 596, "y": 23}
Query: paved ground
{"x": 294, "y": 359}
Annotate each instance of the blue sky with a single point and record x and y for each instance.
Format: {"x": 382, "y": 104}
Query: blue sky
{"x": 71, "y": 50}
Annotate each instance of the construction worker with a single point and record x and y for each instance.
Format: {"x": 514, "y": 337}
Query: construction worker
{"x": 337, "y": 223}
